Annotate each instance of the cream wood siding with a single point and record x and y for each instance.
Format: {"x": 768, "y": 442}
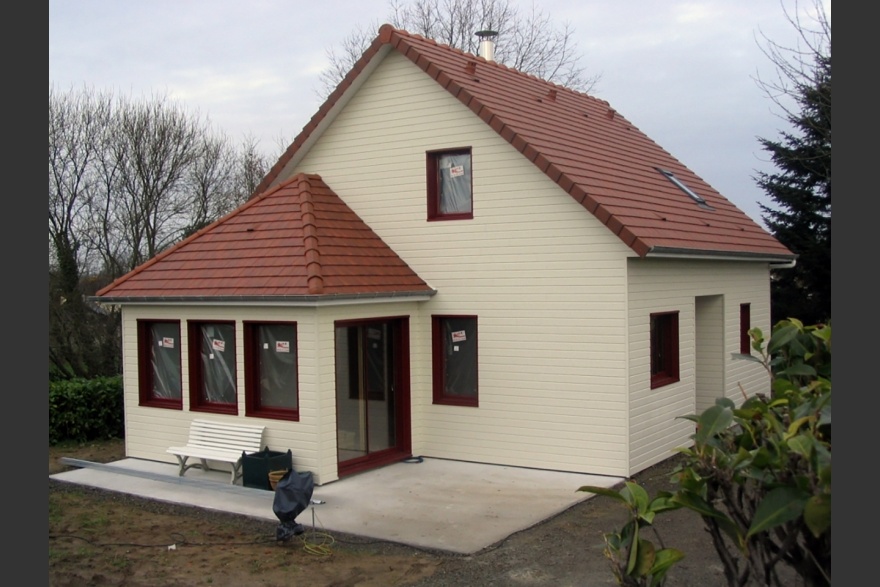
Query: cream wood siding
{"x": 545, "y": 278}
{"x": 149, "y": 431}
{"x": 708, "y": 349}
{"x": 707, "y": 294}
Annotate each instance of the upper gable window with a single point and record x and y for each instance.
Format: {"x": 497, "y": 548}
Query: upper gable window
{"x": 450, "y": 185}
{"x": 680, "y": 185}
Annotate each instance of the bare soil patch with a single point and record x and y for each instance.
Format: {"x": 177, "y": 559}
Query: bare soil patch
{"x": 103, "y": 538}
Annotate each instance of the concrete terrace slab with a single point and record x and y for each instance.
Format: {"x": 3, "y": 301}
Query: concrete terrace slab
{"x": 438, "y": 504}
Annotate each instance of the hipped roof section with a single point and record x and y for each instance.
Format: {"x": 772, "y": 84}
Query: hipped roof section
{"x": 296, "y": 241}
{"x": 591, "y": 151}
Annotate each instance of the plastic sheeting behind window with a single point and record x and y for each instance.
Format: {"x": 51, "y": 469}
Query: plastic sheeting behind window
{"x": 460, "y": 341}
{"x": 455, "y": 184}
{"x": 218, "y": 363}
{"x": 165, "y": 360}
{"x": 277, "y": 356}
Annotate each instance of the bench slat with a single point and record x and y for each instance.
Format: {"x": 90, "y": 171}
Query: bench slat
{"x": 210, "y": 438}
{"x": 207, "y": 453}
{"x": 208, "y": 424}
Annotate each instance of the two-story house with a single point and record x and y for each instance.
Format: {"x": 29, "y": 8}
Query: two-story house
{"x": 455, "y": 260}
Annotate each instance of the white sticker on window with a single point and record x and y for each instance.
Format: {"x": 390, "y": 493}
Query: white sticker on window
{"x": 218, "y": 345}
{"x": 459, "y": 336}
{"x": 282, "y": 346}
{"x": 456, "y": 171}
{"x": 167, "y": 342}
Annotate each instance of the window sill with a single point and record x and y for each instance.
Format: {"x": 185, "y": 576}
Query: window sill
{"x": 456, "y": 401}
{"x": 215, "y": 409}
{"x": 663, "y": 379}
{"x": 167, "y": 404}
{"x": 464, "y": 216}
{"x": 290, "y": 416}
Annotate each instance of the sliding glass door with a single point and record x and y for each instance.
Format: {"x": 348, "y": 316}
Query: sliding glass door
{"x": 372, "y": 395}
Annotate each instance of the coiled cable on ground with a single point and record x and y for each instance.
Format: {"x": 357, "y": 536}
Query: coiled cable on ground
{"x": 317, "y": 543}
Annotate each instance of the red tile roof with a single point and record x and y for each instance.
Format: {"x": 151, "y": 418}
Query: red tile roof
{"x": 298, "y": 239}
{"x": 592, "y": 152}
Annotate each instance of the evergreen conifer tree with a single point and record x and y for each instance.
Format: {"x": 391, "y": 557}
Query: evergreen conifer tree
{"x": 800, "y": 189}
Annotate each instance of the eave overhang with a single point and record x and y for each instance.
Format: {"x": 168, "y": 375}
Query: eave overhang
{"x": 294, "y": 301}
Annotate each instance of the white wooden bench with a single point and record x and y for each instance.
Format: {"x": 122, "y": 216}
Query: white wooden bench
{"x": 218, "y": 441}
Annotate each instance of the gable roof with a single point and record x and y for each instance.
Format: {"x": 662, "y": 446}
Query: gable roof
{"x": 593, "y": 153}
{"x": 296, "y": 241}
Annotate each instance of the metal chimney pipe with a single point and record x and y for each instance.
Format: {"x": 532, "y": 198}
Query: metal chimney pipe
{"x": 487, "y": 44}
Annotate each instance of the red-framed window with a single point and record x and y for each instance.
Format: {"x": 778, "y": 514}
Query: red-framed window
{"x": 213, "y": 385}
{"x": 745, "y": 323}
{"x": 664, "y": 349}
{"x": 454, "y": 346}
{"x": 450, "y": 184}
{"x": 159, "y": 374}
{"x": 271, "y": 370}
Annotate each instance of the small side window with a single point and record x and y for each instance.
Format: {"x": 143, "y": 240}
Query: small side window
{"x": 664, "y": 349}
{"x": 745, "y": 323}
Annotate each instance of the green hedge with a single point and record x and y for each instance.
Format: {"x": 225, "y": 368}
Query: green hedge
{"x": 86, "y": 409}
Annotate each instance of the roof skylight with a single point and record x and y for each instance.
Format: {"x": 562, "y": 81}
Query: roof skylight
{"x": 680, "y": 184}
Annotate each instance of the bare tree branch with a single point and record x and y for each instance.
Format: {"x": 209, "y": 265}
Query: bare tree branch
{"x": 158, "y": 142}
{"x": 795, "y": 67}
{"x": 126, "y": 180}
{"x": 77, "y": 123}
{"x": 528, "y": 42}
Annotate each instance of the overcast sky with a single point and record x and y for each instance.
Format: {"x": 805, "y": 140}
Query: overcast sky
{"x": 682, "y": 71}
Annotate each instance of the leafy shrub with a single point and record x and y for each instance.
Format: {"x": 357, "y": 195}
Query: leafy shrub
{"x": 758, "y": 475}
{"x": 635, "y": 561}
{"x": 85, "y": 409}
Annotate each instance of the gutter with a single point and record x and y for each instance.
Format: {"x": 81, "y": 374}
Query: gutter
{"x": 776, "y": 261}
{"x": 310, "y": 301}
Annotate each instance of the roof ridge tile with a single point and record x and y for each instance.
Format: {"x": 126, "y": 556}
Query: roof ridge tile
{"x": 310, "y": 237}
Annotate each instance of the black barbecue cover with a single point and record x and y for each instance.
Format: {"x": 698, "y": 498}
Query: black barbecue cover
{"x": 293, "y": 493}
